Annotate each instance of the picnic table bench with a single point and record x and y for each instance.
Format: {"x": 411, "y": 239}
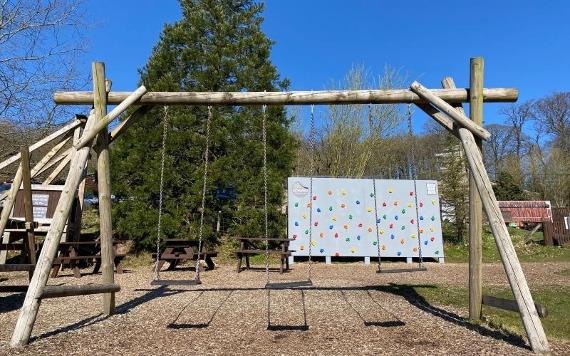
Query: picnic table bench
{"x": 176, "y": 251}
{"x": 248, "y": 248}
{"x": 70, "y": 253}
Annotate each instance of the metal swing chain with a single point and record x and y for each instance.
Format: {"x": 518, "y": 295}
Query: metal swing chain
{"x": 204, "y": 185}
{"x": 413, "y": 173}
{"x": 265, "y": 211}
{"x": 311, "y": 173}
{"x": 161, "y": 193}
{"x": 375, "y": 203}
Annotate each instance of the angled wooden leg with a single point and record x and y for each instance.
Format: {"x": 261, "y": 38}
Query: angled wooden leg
{"x": 55, "y": 270}
{"x": 239, "y": 256}
{"x": 247, "y": 265}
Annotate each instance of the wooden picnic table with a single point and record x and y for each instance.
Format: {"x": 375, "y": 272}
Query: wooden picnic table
{"x": 176, "y": 251}
{"x": 248, "y": 247}
{"x": 71, "y": 253}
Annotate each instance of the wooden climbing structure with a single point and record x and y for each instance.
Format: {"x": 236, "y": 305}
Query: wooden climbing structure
{"x": 443, "y": 105}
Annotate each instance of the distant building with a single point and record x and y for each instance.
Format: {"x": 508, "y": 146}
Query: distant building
{"x": 526, "y": 212}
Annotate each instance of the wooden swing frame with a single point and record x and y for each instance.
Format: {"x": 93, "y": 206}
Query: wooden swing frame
{"x": 443, "y": 105}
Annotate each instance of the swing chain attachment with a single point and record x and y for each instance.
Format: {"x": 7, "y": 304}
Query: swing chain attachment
{"x": 161, "y": 193}
{"x": 204, "y": 187}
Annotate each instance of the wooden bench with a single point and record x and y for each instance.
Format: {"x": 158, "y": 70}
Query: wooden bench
{"x": 177, "y": 251}
{"x": 248, "y": 248}
{"x": 71, "y": 253}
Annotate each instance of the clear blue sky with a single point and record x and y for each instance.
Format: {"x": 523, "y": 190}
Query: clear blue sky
{"x": 526, "y": 44}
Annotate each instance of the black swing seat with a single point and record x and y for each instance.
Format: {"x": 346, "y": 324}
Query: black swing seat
{"x": 403, "y": 270}
{"x": 175, "y": 282}
{"x": 290, "y": 285}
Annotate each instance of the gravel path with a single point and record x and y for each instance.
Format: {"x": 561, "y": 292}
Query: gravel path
{"x": 352, "y": 311}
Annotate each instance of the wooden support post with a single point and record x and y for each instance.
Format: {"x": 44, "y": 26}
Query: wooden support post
{"x": 52, "y": 162}
{"x": 443, "y": 106}
{"x": 511, "y": 263}
{"x": 29, "y": 310}
{"x": 475, "y": 206}
{"x": 30, "y": 241}
{"x": 104, "y": 121}
{"x": 104, "y": 185}
{"x": 508, "y": 304}
{"x": 123, "y": 125}
{"x": 74, "y": 223}
{"x": 47, "y": 158}
{"x": 10, "y": 199}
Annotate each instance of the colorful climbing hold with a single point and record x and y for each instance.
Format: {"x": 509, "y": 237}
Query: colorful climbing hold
{"x": 316, "y": 223}
{"x": 296, "y": 223}
{"x": 294, "y": 237}
{"x": 410, "y": 205}
{"x": 374, "y": 243}
{"x": 403, "y": 211}
{"x": 307, "y": 232}
{"x": 336, "y": 235}
{"x": 358, "y": 237}
{"x": 302, "y": 247}
{"x": 322, "y": 250}
{"x": 421, "y": 218}
{"x": 384, "y": 217}
{"x": 433, "y": 201}
{"x": 318, "y": 210}
{"x": 343, "y": 192}
{"x": 396, "y": 217}
{"x": 403, "y": 227}
{"x": 333, "y": 218}
{"x": 357, "y": 202}
{"x": 322, "y": 234}
{"x": 342, "y": 205}
{"x": 370, "y": 229}
{"x": 347, "y": 239}
{"x": 399, "y": 253}
{"x": 402, "y": 241}
{"x": 412, "y": 221}
{"x": 395, "y": 203}
{"x": 413, "y": 236}
{"x": 392, "y": 236}
{"x": 421, "y": 230}
{"x": 425, "y": 242}
{"x": 337, "y": 254}
{"x": 415, "y": 249}
{"x": 350, "y": 216}
{"x": 296, "y": 204}
{"x": 345, "y": 226}
{"x": 381, "y": 231}
{"x": 353, "y": 250}
{"x": 432, "y": 239}
{"x": 391, "y": 226}
{"x": 360, "y": 225}
{"x": 421, "y": 204}
{"x": 383, "y": 247}
{"x": 378, "y": 221}
{"x": 371, "y": 195}
{"x": 437, "y": 252}
{"x": 411, "y": 194}
{"x": 384, "y": 204}
{"x": 314, "y": 197}
{"x": 390, "y": 190}
{"x": 330, "y": 208}
{"x": 330, "y": 227}
{"x": 432, "y": 218}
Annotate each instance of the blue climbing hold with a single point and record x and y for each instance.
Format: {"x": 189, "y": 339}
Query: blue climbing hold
{"x": 330, "y": 227}
{"x": 318, "y": 210}
{"x": 296, "y": 223}
{"x": 392, "y": 236}
{"x": 357, "y": 202}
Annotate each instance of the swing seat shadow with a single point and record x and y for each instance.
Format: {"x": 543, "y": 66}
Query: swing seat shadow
{"x": 288, "y": 327}
{"x": 188, "y": 326}
{"x": 385, "y": 324}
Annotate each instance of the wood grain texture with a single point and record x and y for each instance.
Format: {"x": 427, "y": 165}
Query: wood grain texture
{"x": 30, "y": 241}
{"x": 108, "y": 118}
{"x": 104, "y": 185}
{"x": 54, "y": 136}
{"x": 475, "y": 205}
{"x": 29, "y": 310}
{"x": 86, "y": 289}
{"x": 388, "y": 96}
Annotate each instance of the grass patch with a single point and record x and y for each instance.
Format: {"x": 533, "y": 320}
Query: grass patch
{"x": 90, "y": 221}
{"x": 556, "y": 299}
{"x": 532, "y": 252}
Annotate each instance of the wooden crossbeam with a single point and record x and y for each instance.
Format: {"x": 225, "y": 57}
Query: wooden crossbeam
{"x": 383, "y": 96}
{"x": 86, "y": 289}
{"x": 511, "y": 305}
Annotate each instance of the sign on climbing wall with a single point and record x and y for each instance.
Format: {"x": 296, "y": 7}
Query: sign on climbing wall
{"x": 350, "y": 216}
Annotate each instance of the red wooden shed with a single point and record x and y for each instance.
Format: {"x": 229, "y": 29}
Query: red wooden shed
{"x": 524, "y": 212}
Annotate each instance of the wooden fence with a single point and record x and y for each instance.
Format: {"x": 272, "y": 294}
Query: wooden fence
{"x": 557, "y": 232}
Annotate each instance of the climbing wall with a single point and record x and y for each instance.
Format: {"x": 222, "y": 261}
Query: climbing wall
{"x": 345, "y": 212}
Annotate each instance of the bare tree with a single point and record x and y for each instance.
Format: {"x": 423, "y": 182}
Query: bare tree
{"x": 553, "y": 116}
{"x": 40, "y": 41}
{"x": 498, "y": 147}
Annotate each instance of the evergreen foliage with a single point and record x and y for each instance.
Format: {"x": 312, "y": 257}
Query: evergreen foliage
{"x": 218, "y": 45}
{"x": 506, "y": 188}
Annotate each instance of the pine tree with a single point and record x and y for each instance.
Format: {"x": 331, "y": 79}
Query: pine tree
{"x": 216, "y": 46}
{"x": 507, "y": 188}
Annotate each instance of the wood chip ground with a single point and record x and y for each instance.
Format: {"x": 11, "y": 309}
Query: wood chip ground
{"x": 352, "y": 311}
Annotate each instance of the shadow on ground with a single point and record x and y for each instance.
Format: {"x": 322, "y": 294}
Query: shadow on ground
{"x": 408, "y": 292}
